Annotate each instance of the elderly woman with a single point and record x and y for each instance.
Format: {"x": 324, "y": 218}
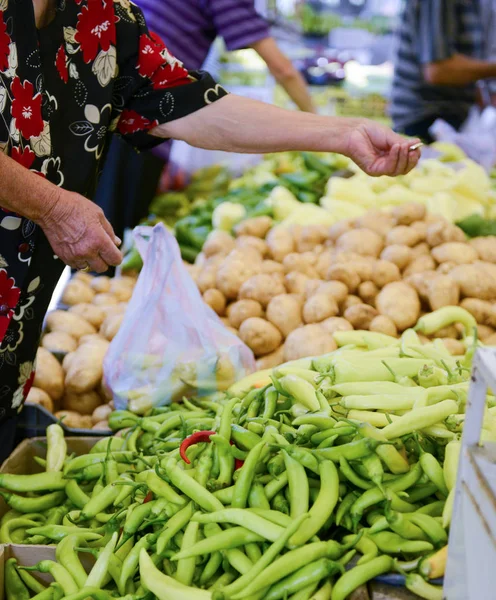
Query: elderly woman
{"x": 73, "y": 73}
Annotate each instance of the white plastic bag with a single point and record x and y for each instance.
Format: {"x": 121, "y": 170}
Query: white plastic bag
{"x": 171, "y": 344}
{"x": 477, "y": 137}
{"x": 188, "y": 159}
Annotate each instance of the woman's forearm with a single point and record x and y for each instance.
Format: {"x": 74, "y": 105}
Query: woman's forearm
{"x": 24, "y": 192}
{"x": 237, "y": 124}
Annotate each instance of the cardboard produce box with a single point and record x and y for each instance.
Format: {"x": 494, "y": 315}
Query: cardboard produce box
{"x": 26, "y": 556}
{"x": 22, "y": 462}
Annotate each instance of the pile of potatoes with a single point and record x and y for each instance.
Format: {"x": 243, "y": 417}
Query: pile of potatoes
{"x": 69, "y": 364}
{"x": 285, "y": 291}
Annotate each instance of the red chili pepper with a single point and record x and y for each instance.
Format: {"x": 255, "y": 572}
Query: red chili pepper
{"x": 196, "y": 438}
{"x": 148, "y": 498}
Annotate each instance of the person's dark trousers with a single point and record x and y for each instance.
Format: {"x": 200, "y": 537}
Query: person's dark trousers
{"x": 7, "y": 437}
{"x": 420, "y": 129}
{"x": 128, "y": 185}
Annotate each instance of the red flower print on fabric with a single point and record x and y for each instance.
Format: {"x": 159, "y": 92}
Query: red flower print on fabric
{"x": 150, "y": 58}
{"x": 61, "y": 64}
{"x": 96, "y": 28}
{"x": 169, "y": 76}
{"x": 29, "y": 384}
{"x": 132, "y": 122}
{"x": 24, "y": 157}
{"x": 156, "y": 63}
{"x": 9, "y": 297}
{"x": 4, "y": 44}
{"x": 26, "y": 109}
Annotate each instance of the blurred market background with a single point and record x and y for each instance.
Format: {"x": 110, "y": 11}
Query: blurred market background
{"x": 344, "y": 49}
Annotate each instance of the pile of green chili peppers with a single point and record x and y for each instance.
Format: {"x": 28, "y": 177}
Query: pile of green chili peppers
{"x": 338, "y": 471}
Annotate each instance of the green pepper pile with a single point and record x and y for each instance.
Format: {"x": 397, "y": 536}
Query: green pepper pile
{"x": 304, "y": 483}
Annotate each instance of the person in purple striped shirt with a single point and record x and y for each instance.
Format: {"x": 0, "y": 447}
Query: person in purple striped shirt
{"x": 189, "y": 28}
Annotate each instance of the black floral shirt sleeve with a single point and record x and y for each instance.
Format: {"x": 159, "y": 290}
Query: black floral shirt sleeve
{"x": 152, "y": 86}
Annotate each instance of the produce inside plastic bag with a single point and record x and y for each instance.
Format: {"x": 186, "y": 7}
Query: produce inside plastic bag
{"x": 171, "y": 344}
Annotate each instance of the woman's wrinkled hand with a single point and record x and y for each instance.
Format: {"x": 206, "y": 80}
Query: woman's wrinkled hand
{"x": 377, "y": 150}
{"x": 79, "y": 233}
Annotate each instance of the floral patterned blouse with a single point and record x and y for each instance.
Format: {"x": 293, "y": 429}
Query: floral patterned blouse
{"x": 64, "y": 89}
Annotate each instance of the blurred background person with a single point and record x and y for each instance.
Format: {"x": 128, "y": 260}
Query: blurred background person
{"x": 441, "y": 53}
{"x": 189, "y": 28}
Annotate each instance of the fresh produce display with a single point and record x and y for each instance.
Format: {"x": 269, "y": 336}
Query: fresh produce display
{"x": 303, "y": 482}
{"x": 286, "y": 290}
{"x": 452, "y": 186}
{"x": 320, "y": 22}
{"x": 206, "y": 184}
{"x": 285, "y": 286}
{"x": 69, "y": 363}
{"x": 211, "y": 201}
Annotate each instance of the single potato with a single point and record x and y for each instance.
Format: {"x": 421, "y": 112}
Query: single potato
{"x": 361, "y": 241}
{"x": 309, "y": 340}
{"x": 89, "y": 312}
{"x": 74, "y": 420}
{"x": 39, "y": 396}
{"x": 400, "y": 302}
{"x": 385, "y": 325}
{"x": 216, "y": 300}
{"x": 334, "y": 324}
{"x": 284, "y": 311}
{"x": 319, "y": 307}
{"x": 76, "y": 292}
{"x": 85, "y": 403}
{"x": 360, "y": 315}
{"x": 101, "y": 413}
{"x": 49, "y": 374}
{"x": 261, "y": 288}
{"x": 260, "y": 336}
{"x": 239, "y": 311}
{"x": 59, "y": 341}
{"x": 269, "y": 361}
{"x": 86, "y": 369}
{"x": 105, "y": 299}
{"x": 110, "y": 327}
{"x": 74, "y": 325}
{"x": 100, "y": 284}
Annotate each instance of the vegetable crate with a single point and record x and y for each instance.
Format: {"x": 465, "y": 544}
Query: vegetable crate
{"x": 471, "y": 573}
{"x": 26, "y": 556}
{"x": 21, "y": 461}
{"x": 34, "y": 419}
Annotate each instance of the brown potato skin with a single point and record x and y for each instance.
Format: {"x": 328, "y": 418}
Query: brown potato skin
{"x": 285, "y": 312}
{"x": 400, "y": 302}
{"x": 260, "y": 336}
{"x": 49, "y": 374}
{"x": 310, "y": 340}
